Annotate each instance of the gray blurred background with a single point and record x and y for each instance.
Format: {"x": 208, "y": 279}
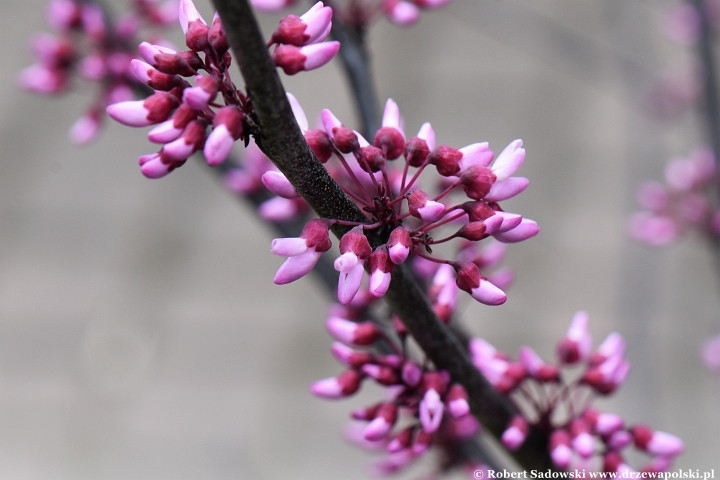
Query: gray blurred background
{"x": 141, "y": 336}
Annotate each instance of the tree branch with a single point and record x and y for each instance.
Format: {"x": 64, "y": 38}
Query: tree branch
{"x": 281, "y": 140}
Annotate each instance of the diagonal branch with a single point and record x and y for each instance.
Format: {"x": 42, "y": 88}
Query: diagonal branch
{"x": 281, "y": 140}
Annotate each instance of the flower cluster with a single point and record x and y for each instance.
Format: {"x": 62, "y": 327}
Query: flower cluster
{"x": 580, "y": 436}
{"x": 89, "y": 44}
{"x": 400, "y": 12}
{"x": 679, "y": 205}
{"x": 471, "y": 185}
{"x": 183, "y": 113}
{"x": 423, "y": 407}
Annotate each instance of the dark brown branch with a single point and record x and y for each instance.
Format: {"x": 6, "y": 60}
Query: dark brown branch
{"x": 281, "y": 140}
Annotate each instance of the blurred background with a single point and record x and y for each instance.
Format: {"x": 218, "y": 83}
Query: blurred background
{"x": 141, "y": 336}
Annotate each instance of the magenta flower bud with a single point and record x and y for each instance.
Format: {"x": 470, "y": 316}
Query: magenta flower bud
{"x": 349, "y": 357}
{"x": 52, "y": 51}
{"x": 271, "y": 5}
{"x": 516, "y": 433}
{"x": 416, "y": 151}
{"x": 509, "y": 161}
{"x": 399, "y": 245}
{"x": 294, "y": 59}
{"x": 381, "y": 374}
{"x": 301, "y": 258}
{"x": 204, "y": 91}
{"x": 227, "y": 128}
{"x": 536, "y": 367}
{"x": 478, "y": 211}
{"x": 470, "y": 280}
{"x": 560, "y": 451}
{"x": 371, "y": 159}
{"x": 526, "y": 229}
{"x": 655, "y": 442}
{"x": 509, "y": 221}
{"x": 141, "y": 113}
{"x": 431, "y": 411}
{"x": 298, "y": 112}
{"x": 475, "y": 231}
{"x": 457, "y": 401}
{"x": 341, "y": 386}
{"x": 381, "y": 425}
{"x": 401, "y": 12}
{"x": 401, "y": 441}
{"x": 191, "y": 140}
{"x": 446, "y": 160}
{"x": 576, "y": 344}
{"x": 411, "y": 374}
{"x": 477, "y": 181}
{"x": 93, "y": 68}
{"x": 352, "y": 333}
{"x": 279, "y": 209}
{"x": 422, "y": 207}
{"x": 507, "y": 189}
{"x": 381, "y": 268}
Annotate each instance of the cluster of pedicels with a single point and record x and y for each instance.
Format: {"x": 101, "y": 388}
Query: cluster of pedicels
{"x": 361, "y": 13}
{"x": 548, "y": 397}
{"x": 679, "y": 205}
{"x": 383, "y": 178}
{"x": 183, "y": 113}
{"x": 94, "y": 47}
{"x": 422, "y": 406}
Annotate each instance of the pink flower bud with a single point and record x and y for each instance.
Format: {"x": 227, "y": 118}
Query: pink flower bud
{"x": 506, "y": 189}
{"x": 711, "y": 353}
{"x": 515, "y": 434}
{"x": 655, "y": 442}
{"x": 653, "y": 230}
{"x": 411, "y": 374}
{"x": 168, "y": 61}
{"x": 401, "y": 441}
{"x": 401, "y": 12}
{"x": 352, "y": 333}
{"x": 320, "y": 144}
{"x": 227, "y": 128}
{"x": 204, "y": 91}
{"x": 312, "y": 27}
{"x": 216, "y": 36}
{"x": 380, "y": 269}
{"x": 188, "y": 14}
{"x": 477, "y": 181}
{"x": 190, "y": 141}
{"x": 42, "y": 79}
{"x": 431, "y": 411}
{"x": 390, "y": 138}
{"x": 560, "y": 451}
{"x": 475, "y": 155}
{"x": 470, "y": 280}
{"x": 381, "y": 425}
{"x": 63, "y": 14}
{"x": 278, "y": 184}
{"x": 422, "y": 207}
{"x": 349, "y": 357}
{"x": 446, "y": 160}
{"x": 399, "y": 245}
{"x": 301, "y": 259}
{"x": 526, "y": 229}
{"x": 612, "y": 346}
{"x": 85, "y": 129}
{"x": 509, "y": 161}
{"x": 457, "y": 401}
{"x": 343, "y": 385}
{"x": 156, "y": 165}
{"x": 381, "y": 374}
{"x": 153, "y": 77}
{"x": 536, "y": 367}
{"x": 354, "y": 249}
{"x": 272, "y": 5}
{"x": 294, "y": 59}
{"x": 141, "y": 113}
{"x": 576, "y": 344}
